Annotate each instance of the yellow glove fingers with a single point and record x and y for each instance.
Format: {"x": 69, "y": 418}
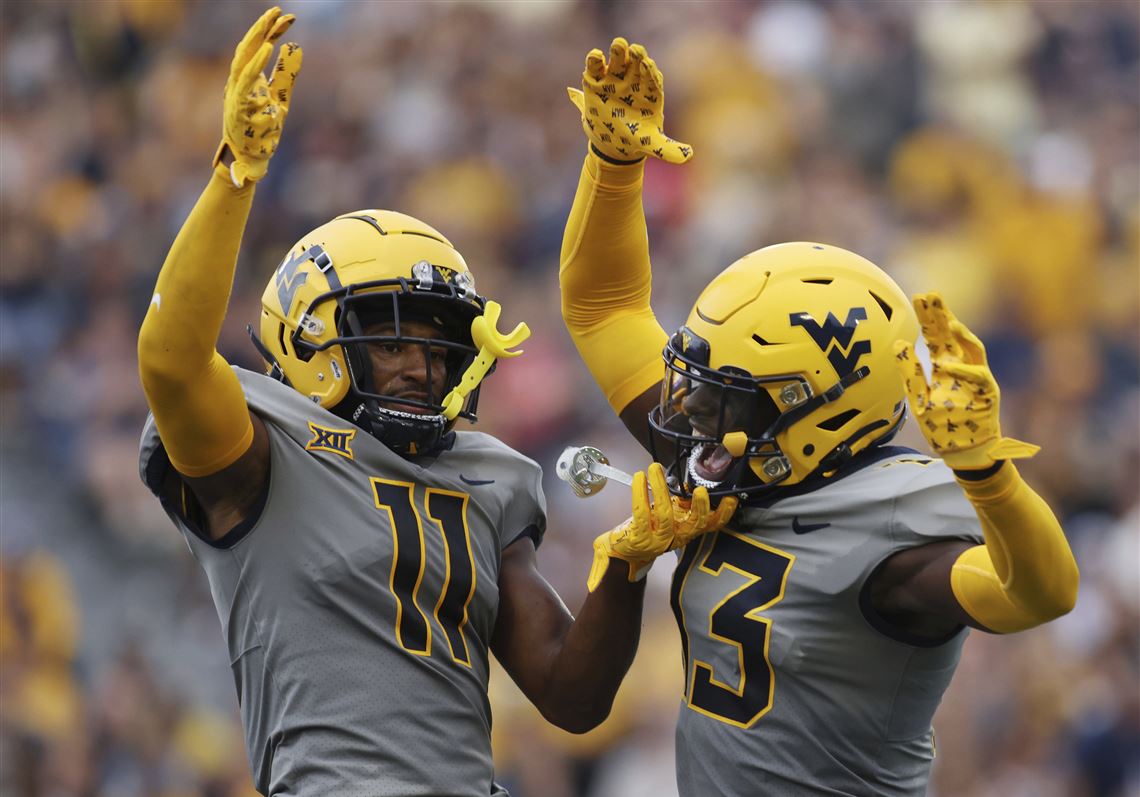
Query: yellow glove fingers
{"x": 661, "y": 145}
{"x": 654, "y": 80}
{"x": 724, "y": 512}
{"x": 662, "y": 508}
{"x": 978, "y": 377}
{"x": 698, "y": 514}
{"x": 700, "y": 518}
{"x": 637, "y": 56}
{"x": 282, "y": 24}
{"x": 264, "y": 52}
{"x": 598, "y": 567}
{"x": 247, "y": 85}
{"x": 619, "y": 58}
{"x": 250, "y": 43}
{"x": 640, "y": 501}
{"x": 667, "y": 149}
{"x": 973, "y": 350}
{"x": 914, "y": 380}
{"x": 935, "y": 319}
{"x": 285, "y": 74}
{"x": 595, "y": 65}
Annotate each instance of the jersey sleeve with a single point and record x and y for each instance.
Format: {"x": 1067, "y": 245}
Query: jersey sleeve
{"x": 164, "y": 481}
{"x": 931, "y": 507}
{"x": 526, "y": 511}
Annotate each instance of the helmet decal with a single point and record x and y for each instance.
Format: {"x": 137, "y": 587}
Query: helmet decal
{"x": 289, "y": 278}
{"x": 832, "y": 331}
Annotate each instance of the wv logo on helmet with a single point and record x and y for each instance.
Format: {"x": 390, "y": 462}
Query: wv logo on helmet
{"x": 843, "y": 355}
{"x": 288, "y": 278}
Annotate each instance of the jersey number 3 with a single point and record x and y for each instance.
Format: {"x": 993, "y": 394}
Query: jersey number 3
{"x": 734, "y": 622}
{"x": 448, "y": 513}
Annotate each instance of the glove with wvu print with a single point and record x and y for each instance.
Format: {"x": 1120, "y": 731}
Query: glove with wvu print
{"x": 622, "y": 105}
{"x": 656, "y": 526}
{"x": 255, "y": 108}
{"x": 958, "y": 410}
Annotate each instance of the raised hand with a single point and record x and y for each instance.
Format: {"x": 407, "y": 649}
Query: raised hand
{"x": 255, "y": 108}
{"x": 622, "y": 103}
{"x": 958, "y": 410}
{"x": 656, "y": 526}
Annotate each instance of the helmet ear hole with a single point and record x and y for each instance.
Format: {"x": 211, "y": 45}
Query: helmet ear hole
{"x": 836, "y": 422}
{"x": 304, "y": 355}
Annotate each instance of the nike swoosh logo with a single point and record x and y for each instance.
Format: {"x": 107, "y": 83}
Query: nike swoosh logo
{"x": 805, "y": 528}
{"x": 475, "y": 482}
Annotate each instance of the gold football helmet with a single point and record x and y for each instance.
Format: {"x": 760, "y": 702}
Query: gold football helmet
{"x": 357, "y": 270}
{"x": 783, "y": 371}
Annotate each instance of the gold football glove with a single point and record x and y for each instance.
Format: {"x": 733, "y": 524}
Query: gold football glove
{"x": 255, "y": 108}
{"x": 656, "y": 526}
{"x": 622, "y": 105}
{"x": 958, "y": 410}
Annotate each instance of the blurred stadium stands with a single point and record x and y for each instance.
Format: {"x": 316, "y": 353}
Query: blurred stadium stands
{"x": 989, "y": 149}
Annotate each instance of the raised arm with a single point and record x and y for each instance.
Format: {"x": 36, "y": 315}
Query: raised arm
{"x": 197, "y": 402}
{"x": 605, "y": 273}
{"x": 571, "y": 668}
{"x": 1025, "y": 573}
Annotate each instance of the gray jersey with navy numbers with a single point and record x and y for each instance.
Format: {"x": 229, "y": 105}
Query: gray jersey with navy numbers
{"x": 359, "y": 607}
{"x": 793, "y": 686}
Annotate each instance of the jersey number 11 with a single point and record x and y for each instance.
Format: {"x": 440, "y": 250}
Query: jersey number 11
{"x": 447, "y": 512}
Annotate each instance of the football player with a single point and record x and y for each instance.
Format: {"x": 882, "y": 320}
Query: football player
{"x": 364, "y": 557}
{"x": 821, "y": 626}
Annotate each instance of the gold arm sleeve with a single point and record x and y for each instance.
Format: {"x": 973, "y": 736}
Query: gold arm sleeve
{"x": 198, "y": 404}
{"x": 1025, "y": 574}
{"x": 606, "y": 282}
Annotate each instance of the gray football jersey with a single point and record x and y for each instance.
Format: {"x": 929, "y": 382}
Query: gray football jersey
{"x": 792, "y": 686}
{"x": 358, "y": 609}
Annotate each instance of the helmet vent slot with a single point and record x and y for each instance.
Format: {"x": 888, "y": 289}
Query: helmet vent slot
{"x": 888, "y": 311}
{"x": 761, "y": 340}
{"x": 281, "y": 338}
{"x": 820, "y": 281}
{"x": 836, "y": 422}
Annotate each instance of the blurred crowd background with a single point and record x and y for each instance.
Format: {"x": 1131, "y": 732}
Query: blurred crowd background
{"x": 988, "y": 149}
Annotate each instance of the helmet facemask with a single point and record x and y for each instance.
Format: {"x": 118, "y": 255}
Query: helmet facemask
{"x": 405, "y": 424}
{"x": 718, "y": 422}
{"x": 725, "y": 425}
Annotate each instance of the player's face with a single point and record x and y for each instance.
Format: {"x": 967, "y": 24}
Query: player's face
{"x": 712, "y": 411}
{"x": 403, "y": 369}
